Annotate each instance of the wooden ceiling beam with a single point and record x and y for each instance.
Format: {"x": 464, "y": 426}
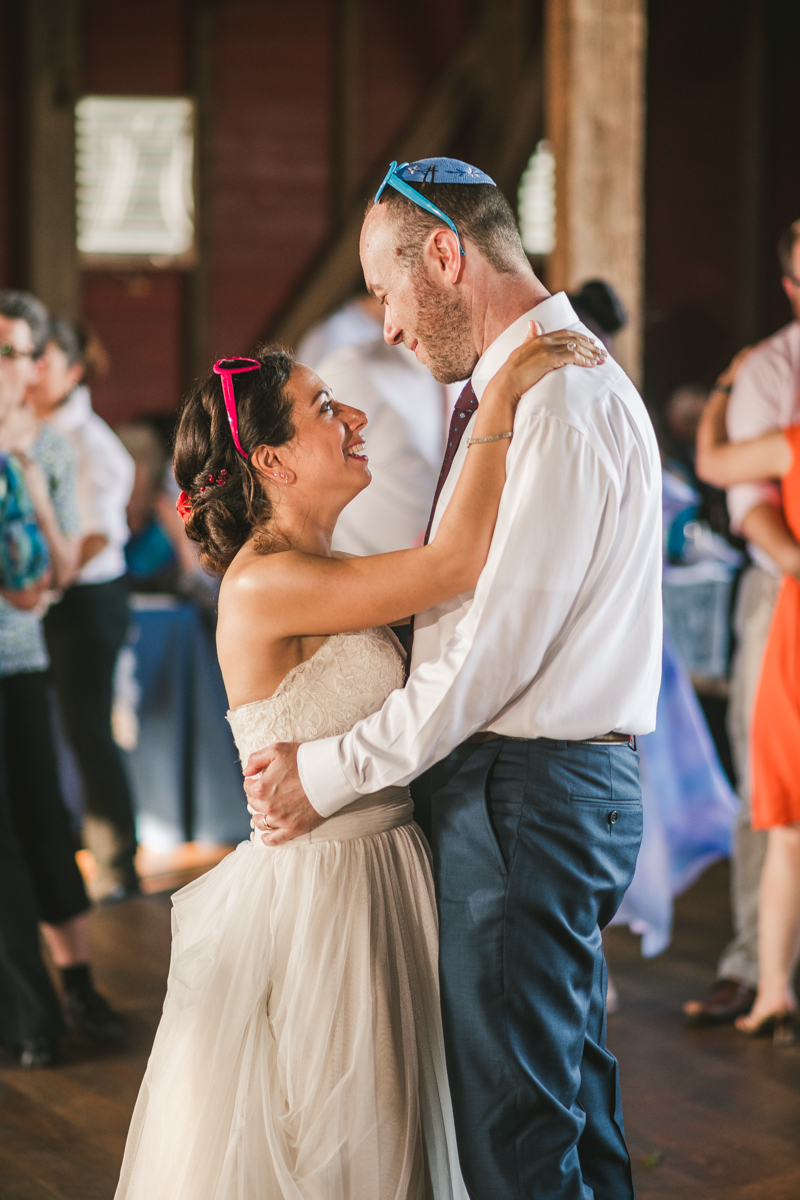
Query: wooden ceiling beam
{"x": 54, "y": 50}
{"x": 495, "y": 85}
{"x": 337, "y": 270}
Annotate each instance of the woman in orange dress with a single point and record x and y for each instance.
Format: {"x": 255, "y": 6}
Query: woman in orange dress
{"x": 775, "y": 749}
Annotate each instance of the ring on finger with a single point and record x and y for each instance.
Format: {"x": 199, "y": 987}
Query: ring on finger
{"x": 572, "y": 345}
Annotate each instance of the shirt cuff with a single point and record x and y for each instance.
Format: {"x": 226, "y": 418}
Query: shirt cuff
{"x": 322, "y": 777}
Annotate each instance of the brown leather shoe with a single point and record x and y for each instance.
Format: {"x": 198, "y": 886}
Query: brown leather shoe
{"x": 727, "y": 1000}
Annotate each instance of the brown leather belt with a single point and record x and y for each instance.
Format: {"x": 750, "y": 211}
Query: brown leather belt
{"x": 612, "y": 738}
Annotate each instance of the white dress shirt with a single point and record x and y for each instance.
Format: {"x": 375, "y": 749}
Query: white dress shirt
{"x": 350, "y": 325}
{"x": 766, "y": 396}
{"x": 562, "y": 636}
{"x": 404, "y": 406}
{"x": 105, "y": 474}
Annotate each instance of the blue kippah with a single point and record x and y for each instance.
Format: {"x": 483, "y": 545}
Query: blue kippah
{"x": 443, "y": 170}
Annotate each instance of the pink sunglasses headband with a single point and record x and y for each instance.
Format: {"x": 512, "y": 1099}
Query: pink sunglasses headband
{"x": 224, "y": 368}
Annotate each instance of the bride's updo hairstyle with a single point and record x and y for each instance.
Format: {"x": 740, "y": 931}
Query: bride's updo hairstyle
{"x": 227, "y": 497}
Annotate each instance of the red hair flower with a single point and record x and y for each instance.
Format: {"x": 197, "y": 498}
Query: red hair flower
{"x": 184, "y": 507}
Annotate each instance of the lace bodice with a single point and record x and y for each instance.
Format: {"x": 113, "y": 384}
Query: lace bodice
{"x": 348, "y": 678}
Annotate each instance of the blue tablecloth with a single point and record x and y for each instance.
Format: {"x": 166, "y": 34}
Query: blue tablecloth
{"x": 689, "y": 808}
{"x": 185, "y": 771}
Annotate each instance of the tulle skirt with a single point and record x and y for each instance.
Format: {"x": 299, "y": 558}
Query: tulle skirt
{"x": 300, "y": 1052}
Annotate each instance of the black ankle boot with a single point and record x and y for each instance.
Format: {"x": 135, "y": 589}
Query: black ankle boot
{"x": 36, "y": 1053}
{"x": 88, "y": 1011}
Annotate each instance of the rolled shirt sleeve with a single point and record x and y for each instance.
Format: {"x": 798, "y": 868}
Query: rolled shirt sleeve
{"x": 757, "y": 405}
{"x": 57, "y": 458}
{"x": 109, "y": 473}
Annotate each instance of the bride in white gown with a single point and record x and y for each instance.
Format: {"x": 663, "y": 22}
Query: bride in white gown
{"x": 300, "y": 1053}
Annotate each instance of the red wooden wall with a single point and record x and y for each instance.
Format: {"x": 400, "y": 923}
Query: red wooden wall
{"x": 699, "y": 104}
{"x": 271, "y": 156}
{"x": 271, "y": 153}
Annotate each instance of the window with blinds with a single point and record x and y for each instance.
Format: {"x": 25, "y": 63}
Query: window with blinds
{"x": 135, "y": 178}
{"x": 537, "y": 202}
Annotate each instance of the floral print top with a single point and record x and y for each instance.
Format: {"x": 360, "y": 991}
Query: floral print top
{"x": 22, "y": 644}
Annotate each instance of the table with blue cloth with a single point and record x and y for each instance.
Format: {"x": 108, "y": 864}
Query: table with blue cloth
{"x": 185, "y": 771}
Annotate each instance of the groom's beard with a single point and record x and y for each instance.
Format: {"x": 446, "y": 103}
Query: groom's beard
{"x": 443, "y": 332}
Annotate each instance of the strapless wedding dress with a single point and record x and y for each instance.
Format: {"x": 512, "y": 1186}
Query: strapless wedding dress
{"x": 300, "y": 1052}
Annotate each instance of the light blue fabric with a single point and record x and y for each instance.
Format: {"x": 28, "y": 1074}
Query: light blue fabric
{"x": 24, "y": 556}
{"x": 22, "y": 646}
{"x": 689, "y": 808}
{"x": 443, "y": 170}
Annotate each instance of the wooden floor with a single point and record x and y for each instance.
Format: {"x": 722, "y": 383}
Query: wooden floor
{"x": 709, "y": 1114}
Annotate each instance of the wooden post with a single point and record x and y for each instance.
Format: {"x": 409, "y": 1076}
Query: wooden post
{"x": 53, "y": 31}
{"x": 594, "y": 69}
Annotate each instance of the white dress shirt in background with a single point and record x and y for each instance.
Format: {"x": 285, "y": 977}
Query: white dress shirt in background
{"x": 350, "y": 325}
{"x": 766, "y": 396}
{"x": 562, "y": 636}
{"x": 105, "y": 474}
{"x": 405, "y": 408}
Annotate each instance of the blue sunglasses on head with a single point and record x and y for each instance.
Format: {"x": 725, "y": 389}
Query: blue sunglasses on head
{"x": 393, "y": 180}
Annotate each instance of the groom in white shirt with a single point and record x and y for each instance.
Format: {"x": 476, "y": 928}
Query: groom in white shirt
{"x": 517, "y": 718}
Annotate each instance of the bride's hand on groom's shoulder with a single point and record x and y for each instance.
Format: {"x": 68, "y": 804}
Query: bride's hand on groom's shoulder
{"x": 281, "y": 810}
{"x": 542, "y": 352}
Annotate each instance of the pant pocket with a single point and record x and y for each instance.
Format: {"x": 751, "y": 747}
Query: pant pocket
{"x": 613, "y": 830}
{"x": 468, "y": 864}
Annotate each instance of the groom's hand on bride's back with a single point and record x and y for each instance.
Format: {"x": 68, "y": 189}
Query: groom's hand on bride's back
{"x": 281, "y": 809}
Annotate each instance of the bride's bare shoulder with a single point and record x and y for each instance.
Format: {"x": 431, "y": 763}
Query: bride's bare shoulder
{"x": 281, "y": 576}
{"x": 254, "y": 574}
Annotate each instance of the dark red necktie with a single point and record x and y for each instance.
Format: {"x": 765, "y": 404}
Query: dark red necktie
{"x": 466, "y": 405}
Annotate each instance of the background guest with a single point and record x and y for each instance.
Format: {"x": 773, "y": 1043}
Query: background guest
{"x": 764, "y": 394}
{"x": 408, "y": 412}
{"x": 358, "y": 321}
{"x": 676, "y": 426}
{"x": 30, "y": 1015}
{"x": 601, "y": 310}
{"x": 775, "y": 742}
{"x": 86, "y": 630}
{"x": 159, "y": 557}
{"x": 405, "y": 408}
{"x": 688, "y": 805}
{"x": 41, "y": 820}
{"x": 153, "y": 554}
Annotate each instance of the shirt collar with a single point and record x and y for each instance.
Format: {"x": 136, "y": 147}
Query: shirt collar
{"x": 74, "y": 412}
{"x": 555, "y": 312}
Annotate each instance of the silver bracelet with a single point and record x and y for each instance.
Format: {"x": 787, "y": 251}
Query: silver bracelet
{"x": 496, "y": 437}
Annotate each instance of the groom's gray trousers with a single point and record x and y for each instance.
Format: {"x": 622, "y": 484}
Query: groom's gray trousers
{"x": 534, "y": 845}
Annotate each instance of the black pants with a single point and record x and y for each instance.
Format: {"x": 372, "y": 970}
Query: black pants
{"x": 40, "y": 816}
{"x": 28, "y": 1004}
{"x": 85, "y": 633}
